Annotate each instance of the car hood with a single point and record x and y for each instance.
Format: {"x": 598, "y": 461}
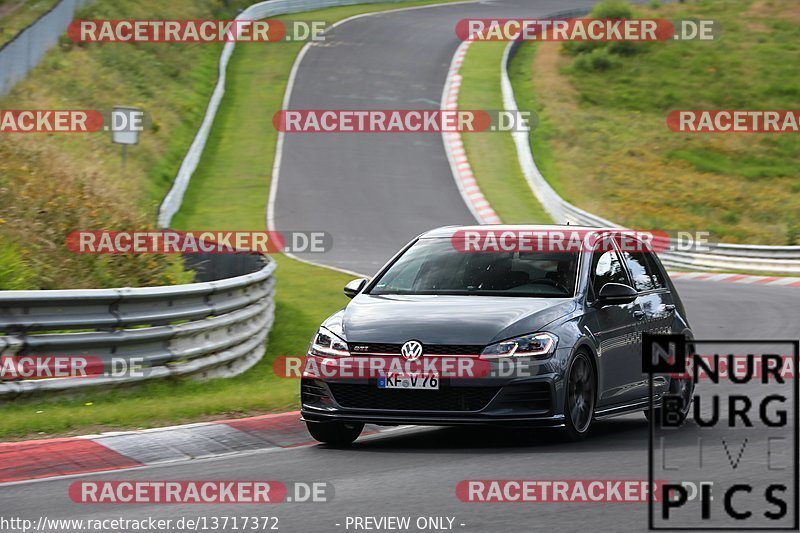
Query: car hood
{"x": 438, "y": 319}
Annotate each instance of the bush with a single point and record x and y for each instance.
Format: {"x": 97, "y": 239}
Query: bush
{"x": 612, "y": 9}
{"x": 598, "y": 60}
{"x": 576, "y": 48}
{"x": 620, "y": 48}
{"x": 624, "y": 48}
{"x": 608, "y": 9}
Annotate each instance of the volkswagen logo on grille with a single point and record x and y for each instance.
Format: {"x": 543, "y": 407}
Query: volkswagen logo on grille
{"x": 412, "y": 350}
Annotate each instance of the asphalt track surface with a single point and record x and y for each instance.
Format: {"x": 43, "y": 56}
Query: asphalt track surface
{"x": 373, "y": 193}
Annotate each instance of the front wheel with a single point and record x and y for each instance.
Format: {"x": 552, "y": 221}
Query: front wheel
{"x": 338, "y": 434}
{"x": 580, "y": 397}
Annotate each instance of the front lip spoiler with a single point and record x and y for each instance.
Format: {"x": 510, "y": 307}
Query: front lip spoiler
{"x": 394, "y": 419}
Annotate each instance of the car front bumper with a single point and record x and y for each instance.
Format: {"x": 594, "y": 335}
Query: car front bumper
{"x": 531, "y": 401}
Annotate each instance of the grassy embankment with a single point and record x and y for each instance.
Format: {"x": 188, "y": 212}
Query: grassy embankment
{"x": 54, "y": 183}
{"x": 15, "y": 15}
{"x": 603, "y": 143}
{"x": 229, "y": 191}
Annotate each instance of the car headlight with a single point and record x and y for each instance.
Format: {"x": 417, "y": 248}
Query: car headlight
{"x": 326, "y": 344}
{"x": 539, "y": 345}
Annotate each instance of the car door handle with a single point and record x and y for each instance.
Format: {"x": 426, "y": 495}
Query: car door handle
{"x": 638, "y": 315}
{"x": 669, "y": 308}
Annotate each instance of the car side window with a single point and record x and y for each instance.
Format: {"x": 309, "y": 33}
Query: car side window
{"x": 645, "y": 273}
{"x": 655, "y": 272}
{"x": 606, "y": 268}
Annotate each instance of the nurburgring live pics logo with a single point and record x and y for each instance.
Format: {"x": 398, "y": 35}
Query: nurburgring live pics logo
{"x": 742, "y": 424}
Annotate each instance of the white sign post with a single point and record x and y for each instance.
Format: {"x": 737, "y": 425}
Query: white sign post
{"x": 126, "y": 123}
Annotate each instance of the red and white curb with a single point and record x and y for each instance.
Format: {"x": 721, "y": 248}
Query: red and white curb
{"x": 454, "y": 147}
{"x": 737, "y": 278}
{"x": 37, "y": 459}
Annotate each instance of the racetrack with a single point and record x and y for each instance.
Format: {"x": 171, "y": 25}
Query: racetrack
{"x": 373, "y": 193}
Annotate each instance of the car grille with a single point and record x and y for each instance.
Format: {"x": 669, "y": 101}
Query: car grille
{"x": 427, "y": 349}
{"x": 311, "y": 393}
{"x": 445, "y": 399}
{"x": 536, "y": 396}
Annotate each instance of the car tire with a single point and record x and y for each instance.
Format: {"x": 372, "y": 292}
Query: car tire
{"x": 580, "y": 397}
{"x": 681, "y": 387}
{"x": 336, "y": 434}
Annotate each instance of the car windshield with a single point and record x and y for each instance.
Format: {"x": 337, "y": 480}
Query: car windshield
{"x": 435, "y": 266}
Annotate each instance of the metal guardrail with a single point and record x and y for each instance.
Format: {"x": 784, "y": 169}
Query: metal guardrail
{"x": 760, "y": 258}
{"x": 172, "y": 202}
{"x": 212, "y": 328}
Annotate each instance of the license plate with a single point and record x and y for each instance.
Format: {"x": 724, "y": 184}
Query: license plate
{"x": 409, "y": 381}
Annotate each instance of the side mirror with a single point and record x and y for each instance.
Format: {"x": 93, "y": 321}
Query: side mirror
{"x": 354, "y": 287}
{"x": 616, "y": 293}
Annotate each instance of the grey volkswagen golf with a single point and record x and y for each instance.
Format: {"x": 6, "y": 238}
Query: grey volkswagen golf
{"x": 477, "y": 325}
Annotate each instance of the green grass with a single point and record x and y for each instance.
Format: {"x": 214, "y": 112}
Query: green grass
{"x": 53, "y": 184}
{"x": 229, "y": 192}
{"x": 493, "y": 155}
{"x": 603, "y": 142}
{"x": 15, "y": 15}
